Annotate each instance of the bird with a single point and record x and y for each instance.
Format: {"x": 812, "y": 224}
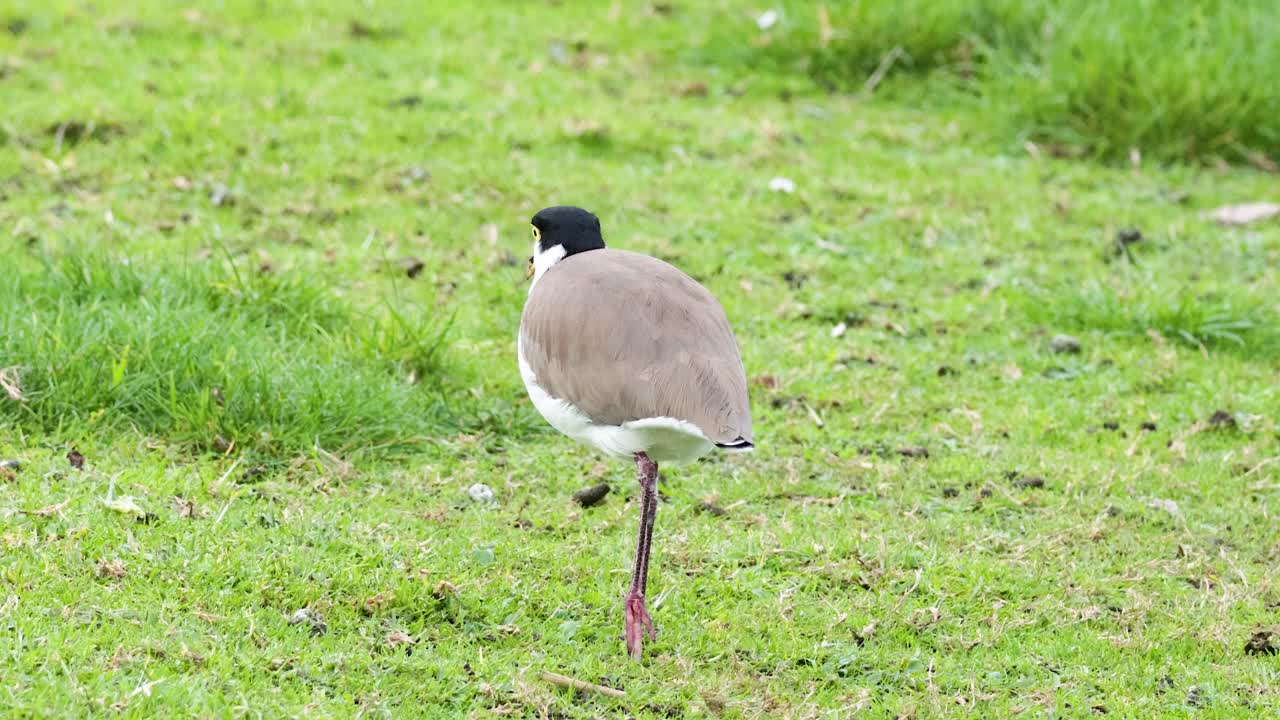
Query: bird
{"x": 628, "y": 355}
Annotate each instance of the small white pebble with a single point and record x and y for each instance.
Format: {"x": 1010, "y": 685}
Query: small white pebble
{"x": 767, "y": 19}
{"x": 481, "y": 493}
{"x": 839, "y": 329}
{"x": 781, "y": 184}
{"x": 1168, "y": 506}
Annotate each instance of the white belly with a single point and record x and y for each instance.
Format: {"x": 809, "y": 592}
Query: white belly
{"x": 666, "y": 440}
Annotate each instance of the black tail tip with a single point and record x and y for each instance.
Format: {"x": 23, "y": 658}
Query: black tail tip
{"x": 739, "y": 445}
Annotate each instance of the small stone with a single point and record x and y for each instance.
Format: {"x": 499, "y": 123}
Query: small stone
{"x": 480, "y": 493}
{"x": 1064, "y": 344}
{"x": 783, "y": 185}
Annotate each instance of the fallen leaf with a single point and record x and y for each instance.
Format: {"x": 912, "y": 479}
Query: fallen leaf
{"x": 376, "y": 603}
{"x": 119, "y": 658}
{"x": 1263, "y": 642}
{"x": 694, "y": 89}
{"x": 357, "y": 29}
{"x": 75, "y": 458}
{"x": 706, "y": 506}
{"x": 187, "y": 508}
{"x": 311, "y": 617}
{"x": 975, "y": 419}
{"x": 111, "y": 569}
{"x": 9, "y": 383}
{"x": 124, "y": 504}
{"x": 585, "y": 128}
{"x": 399, "y": 637}
{"x": 1245, "y": 213}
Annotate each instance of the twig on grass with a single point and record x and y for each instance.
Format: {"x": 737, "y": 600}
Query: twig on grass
{"x": 569, "y": 682}
{"x": 886, "y": 63}
{"x": 231, "y": 499}
{"x": 1261, "y": 465}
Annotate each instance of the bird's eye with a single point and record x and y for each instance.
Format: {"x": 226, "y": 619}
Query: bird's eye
{"x": 537, "y": 234}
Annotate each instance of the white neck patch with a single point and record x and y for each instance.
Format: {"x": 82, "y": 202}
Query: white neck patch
{"x": 542, "y": 261}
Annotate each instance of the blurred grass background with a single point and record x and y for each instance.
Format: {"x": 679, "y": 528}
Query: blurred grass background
{"x": 1173, "y": 82}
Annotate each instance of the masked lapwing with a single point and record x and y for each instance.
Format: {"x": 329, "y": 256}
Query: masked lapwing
{"x": 625, "y": 353}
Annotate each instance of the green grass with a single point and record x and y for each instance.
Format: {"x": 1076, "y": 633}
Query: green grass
{"x": 1141, "y": 306}
{"x": 148, "y": 181}
{"x": 215, "y": 357}
{"x": 1170, "y": 82}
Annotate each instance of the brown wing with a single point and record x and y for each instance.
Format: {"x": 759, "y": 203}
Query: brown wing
{"x": 624, "y": 336}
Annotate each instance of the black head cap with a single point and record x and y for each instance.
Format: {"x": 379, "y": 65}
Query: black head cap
{"x": 574, "y": 228}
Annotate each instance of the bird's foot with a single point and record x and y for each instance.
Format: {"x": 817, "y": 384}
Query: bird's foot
{"x": 638, "y": 625}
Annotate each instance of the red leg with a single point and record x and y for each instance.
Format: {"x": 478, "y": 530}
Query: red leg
{"x": 638, "y": 624}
